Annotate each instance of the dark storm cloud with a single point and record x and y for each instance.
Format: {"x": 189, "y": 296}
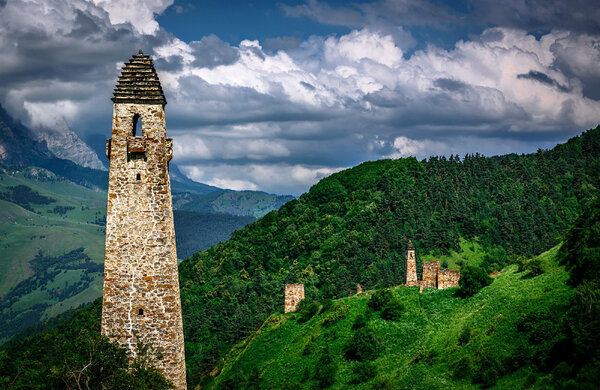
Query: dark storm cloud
{"x": 64, "y": 54}
{"x": 210, "y": 105}
{"x": 450, "y": 84}
{"x": 538, "y": 15}
{"x": 530, "y": 15}
{"x": 211, "y": 51}
{"x": 84, "y": 25}
{"x": 281, "y": 43}
{"x": 542, "y": 78}
{"x": 172, "y": 63}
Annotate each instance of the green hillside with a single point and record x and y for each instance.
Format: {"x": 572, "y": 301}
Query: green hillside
{"x": 52, "y": 239}
{"x": 353, "y": 226}
{"x": 439, "y": 341}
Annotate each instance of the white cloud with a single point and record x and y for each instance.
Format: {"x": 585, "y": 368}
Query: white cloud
{"x": 232, "y": 184}
{"x": 363, "y": 45}
{"x": 406, "y": 147}
{"x": 140, "y": 13}
{"x": 280, "y": 178}
{"x": 244, "y": 117}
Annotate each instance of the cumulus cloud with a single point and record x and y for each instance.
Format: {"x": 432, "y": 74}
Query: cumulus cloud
{"x": 65, "y": 56}
{"x": 406, "y": 147}
{"x": 281, "y": 114}
{"x": 335, "y": 101}
{"x": 139, "y": 13}
{"x": 280, "y": 178}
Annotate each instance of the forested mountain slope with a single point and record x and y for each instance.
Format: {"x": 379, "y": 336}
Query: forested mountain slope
{"x": 353, "y": 226}
{"x": 507, "y": 335}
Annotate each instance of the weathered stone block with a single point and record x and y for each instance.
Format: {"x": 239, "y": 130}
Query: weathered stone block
{"x": 448, "y": 278}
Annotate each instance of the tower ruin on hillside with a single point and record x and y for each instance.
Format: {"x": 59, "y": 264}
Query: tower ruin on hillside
{"x": 448, "y": 278}
{"x": 411, "y": 266}
{"x": 294, "y": 293}
{"x": 141, "y": 301}
{"x": 430, "y": 273}
{"x": 432, "y": 276}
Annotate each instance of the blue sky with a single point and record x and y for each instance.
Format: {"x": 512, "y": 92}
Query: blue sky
{"x": 274, "y": 96}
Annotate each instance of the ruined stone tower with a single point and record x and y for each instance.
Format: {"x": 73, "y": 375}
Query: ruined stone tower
{"x": 141, "y": 286}
{"x": 411, "y": 266}
{"x": 294, "y": 293}
{"x": 431, "y": 269}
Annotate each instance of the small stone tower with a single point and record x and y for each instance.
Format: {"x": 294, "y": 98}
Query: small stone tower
{"x": 294, "y": 293}
{"x": 411, "y": 266}
{"x": 431, "y": 269}
{"x": 141, "y": 286}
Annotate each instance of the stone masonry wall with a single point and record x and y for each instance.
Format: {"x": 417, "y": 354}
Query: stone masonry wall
{"x": 448, "y": 278}
{"x": 141, "y": 286}
{"x": 430, "y": 274}
{"x": 294, "y": 293}
{"x": 411, "y": 268}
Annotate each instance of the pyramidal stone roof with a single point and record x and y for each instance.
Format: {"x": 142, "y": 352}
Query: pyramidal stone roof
{"x": 139, "y": 82}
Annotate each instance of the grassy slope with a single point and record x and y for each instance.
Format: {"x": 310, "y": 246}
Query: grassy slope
{"x": 51, "y": 233}
{"x": 25, "y": 233}
{"x": 420, "y": 350}
{"x": 470, "y": 251}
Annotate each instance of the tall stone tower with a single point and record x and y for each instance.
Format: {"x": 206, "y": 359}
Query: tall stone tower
{"x": 411, "y": 266}
{"x": 141, "y": 286}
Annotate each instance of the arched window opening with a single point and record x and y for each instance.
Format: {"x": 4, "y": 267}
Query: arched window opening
{"x": 138, "y": 177}
{"x": 137, "y": 126}
{"x": 140, "y": 312}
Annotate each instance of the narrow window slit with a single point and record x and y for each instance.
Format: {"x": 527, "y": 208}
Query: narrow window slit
{"x": 140, "y": 312}
{"x": 138, "y": 177}
{"x": 137, "y": 126}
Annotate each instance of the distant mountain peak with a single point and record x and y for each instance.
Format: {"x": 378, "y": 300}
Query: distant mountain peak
{"x": 65, "y": 144}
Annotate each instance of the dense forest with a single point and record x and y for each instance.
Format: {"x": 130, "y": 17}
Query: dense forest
{"x": 353, "y": 226}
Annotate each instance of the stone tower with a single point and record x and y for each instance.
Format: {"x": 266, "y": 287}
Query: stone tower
{"x": 141, "y": 286}
{"x": 431, "y": 269}
{"x": 294, "y": 293}
{"x": 411, "y": 266}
